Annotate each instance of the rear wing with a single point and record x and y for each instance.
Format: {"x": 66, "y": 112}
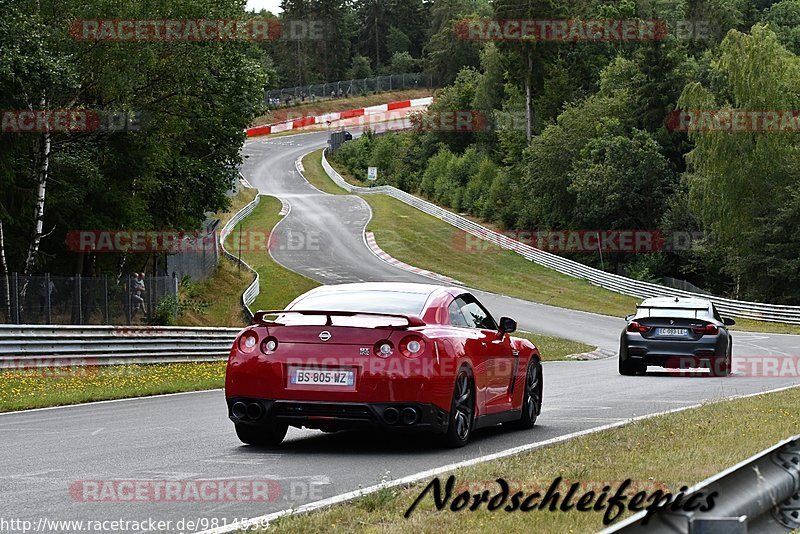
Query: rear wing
{"x": 694, "y": 309}
{"x": 259, "y": 317}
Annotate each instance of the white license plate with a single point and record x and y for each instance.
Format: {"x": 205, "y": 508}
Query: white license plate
{"x": 322, "y": 377}
{"x": 672, "y": 332}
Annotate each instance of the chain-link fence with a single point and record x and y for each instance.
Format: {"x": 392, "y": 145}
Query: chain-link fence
{"x": 349, "y": 88}
{"x": 46, "y": 299}
{"x": 198, "y": 258}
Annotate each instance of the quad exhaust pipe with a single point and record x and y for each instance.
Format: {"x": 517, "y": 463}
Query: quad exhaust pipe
{"x": 407, "y": 416}
{"x": 253, "y": 410}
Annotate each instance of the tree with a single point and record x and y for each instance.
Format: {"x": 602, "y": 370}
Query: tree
{"x": 359, "y": 68}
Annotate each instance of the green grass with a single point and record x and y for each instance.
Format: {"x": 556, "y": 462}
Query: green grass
{"x": 316, "y": 175}
{"x": 22, "y": 389}
{"x": 751, "y": 325}
{"x": 553, "y": 348}
{"x": 666, "y": 451}
{"x": 429, "y": 243}
{"x": 279, "y": 286}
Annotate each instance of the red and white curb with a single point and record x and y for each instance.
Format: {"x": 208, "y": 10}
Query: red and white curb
{"x": 285, "y": 208}
{"x": 336, "y": 116}
{"x": 377, "y": 251}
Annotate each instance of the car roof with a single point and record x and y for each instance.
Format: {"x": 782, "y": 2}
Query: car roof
{"x": 689, "y": 303}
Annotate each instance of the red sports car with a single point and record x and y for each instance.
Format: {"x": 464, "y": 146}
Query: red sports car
{"x": 395, "y": 356}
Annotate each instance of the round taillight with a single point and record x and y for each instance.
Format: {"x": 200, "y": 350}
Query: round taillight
{"x": 248, "y": 342}
{"x": 383, "y": 349}
{"x": 412, "y": 346}
{"x": 269, "y": 345}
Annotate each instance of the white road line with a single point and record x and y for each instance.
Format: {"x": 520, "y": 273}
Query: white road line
{"x": 93, "y": 403}
{"x": 264, "y": 520}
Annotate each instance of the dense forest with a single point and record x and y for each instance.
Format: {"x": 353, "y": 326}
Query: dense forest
{"x": 594, "y": 142}
{"x": 590, "y": 144}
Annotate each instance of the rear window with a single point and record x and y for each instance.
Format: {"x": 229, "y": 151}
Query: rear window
{"x": 407, "y": 303}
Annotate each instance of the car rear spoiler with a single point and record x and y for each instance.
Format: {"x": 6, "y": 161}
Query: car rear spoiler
{"x": 650, "y": 309}
{"x": 259, "y": 316}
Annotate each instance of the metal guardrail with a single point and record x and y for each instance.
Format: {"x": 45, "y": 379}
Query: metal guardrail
{"x": 28, "y": 346}
{"x": 761, "y": 494}
{"x": 250, "y": 294}
{"x": 613, "y": 282}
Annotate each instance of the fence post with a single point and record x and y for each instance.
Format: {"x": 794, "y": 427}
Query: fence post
{"x": 16, "y": 298}
{"x": 149, "y": 314}
{"x": 175, "y": 289}
{"x": 79, "y": 298}
{"x": 105, "y": 299}
{"x": 49, "y": 303}
{"x": 129, "y": 301}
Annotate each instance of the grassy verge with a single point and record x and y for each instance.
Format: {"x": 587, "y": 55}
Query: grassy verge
{"x": 416, "y": 238}
{"x": 672, "y": 451}
{"x": 316, "y": 175}
{"x": 321, "y": 107}
{"x": 750, "y": 325}
{"x": 279, "y": 286}
{"x": 37, "y": 388}
{"x": 554, "y": 348}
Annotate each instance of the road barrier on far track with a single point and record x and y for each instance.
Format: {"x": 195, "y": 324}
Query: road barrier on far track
{"x": 613, "y": 282}
{"x": 36, "y": 346}
{"x": 333, "y": 116}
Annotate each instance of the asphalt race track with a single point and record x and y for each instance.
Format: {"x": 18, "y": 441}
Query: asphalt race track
{"x": 188, "y": 436}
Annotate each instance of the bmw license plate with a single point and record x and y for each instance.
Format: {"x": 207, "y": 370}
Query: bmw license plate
{"x": 322, "y": 377}
{"x": 682, "y": 332}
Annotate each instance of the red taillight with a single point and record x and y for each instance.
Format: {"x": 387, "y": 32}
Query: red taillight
{"x": 248, "y": 342}
{"x": 708, "y": 329}
{"x": 412, "y": 346}
{"x": 636, "y": 327}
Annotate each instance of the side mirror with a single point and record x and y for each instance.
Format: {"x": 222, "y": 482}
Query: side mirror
{"x": 629, "y": 317}
{"x": 507, "y": 325}
{"x": 727, "y": 321}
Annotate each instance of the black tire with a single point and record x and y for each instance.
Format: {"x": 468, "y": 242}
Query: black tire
{"x": 722, "y": 367}
{"x": 462, "y": 410}
{"x": 626, "y": 368}
{"x": 262, "y": 436}
{"x": 531, "y": 398}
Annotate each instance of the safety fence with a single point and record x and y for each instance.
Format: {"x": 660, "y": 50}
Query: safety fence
{"x": 48, "y": 299}
{"x": 613, "y": 282}
{"x": 348, "y": 88}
